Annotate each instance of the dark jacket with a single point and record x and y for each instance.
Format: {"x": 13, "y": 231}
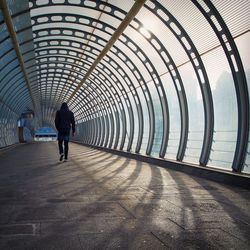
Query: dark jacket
{"x": 65, "y": 119}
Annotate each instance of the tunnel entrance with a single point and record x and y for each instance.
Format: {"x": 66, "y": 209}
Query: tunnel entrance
{"x": 45, "y": 134}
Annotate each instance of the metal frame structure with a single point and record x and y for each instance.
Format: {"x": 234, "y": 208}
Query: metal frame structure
{"x": 110, "y": 66}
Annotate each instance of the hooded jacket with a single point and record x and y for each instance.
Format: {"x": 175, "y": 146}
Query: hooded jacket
{"x": 65, "y": 119}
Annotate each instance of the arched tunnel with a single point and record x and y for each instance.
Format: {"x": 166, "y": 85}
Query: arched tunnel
{"x": 160, "y": 82}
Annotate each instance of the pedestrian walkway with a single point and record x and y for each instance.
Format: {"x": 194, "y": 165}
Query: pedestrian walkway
{"x": 97, "y": 200}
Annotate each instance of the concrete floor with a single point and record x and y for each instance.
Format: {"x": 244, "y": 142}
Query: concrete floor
{"x": 102, "y": 201}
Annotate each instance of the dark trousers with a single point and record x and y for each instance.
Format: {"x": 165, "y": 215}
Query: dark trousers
{"x": 63, "y": 137}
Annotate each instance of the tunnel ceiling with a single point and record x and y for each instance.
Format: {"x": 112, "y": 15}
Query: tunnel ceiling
{"x": 135, "y": 62}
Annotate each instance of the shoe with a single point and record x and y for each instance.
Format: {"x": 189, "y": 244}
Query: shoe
{"x": 61, "y": 157}
{"x": 65, "y": 160}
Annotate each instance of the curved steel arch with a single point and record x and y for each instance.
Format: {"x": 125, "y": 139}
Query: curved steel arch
{"x": 19, "y": 91}
{"x": 135, "y": 96}
{"x": 151, "y": 111}
{"x": 7, "y": 58}
{"x": 47, "y": 63}
{"x": 128, "y": 105}
{"x": 51, "y": 62}
{"x": 61, "y": 31}
{"x": 113, "y": 104}
{"x": 119, "y": 100}
{"x": 6, "y": 66}
{"x": 13, "y": 35}
{"x": 198, "y": 67}
{"x": 87, "y": 103}
{"x": 24, "y": 105}
{"x": 104, "y": 105}
{"x": 101, "y": 112}
{"x": 8, "y": 91}
{"x": 240, "y": 83}
{"x": 11, "y": 82}
{"x": 139, "y": 110}
{"x": 105, "y": 133}
{"x": 7, "y": 77}
{"x": 163, "y": 100}
{"x": 9, "y": 108}
{"x": 54, "y": 84}
{"x": 109, "y": 108}
{"x": 98, "y": 114}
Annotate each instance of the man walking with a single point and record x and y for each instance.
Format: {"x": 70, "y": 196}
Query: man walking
{"x": 64, "y": 121}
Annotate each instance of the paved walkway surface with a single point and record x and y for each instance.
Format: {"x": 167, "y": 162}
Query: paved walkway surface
{"x": 97, "y": 200}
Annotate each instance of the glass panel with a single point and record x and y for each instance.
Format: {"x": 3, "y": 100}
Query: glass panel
{"x": 5, "y": 46}
{"x": 239, "y": 22}
{"x": 8, "y": 69}
{"x": 7, "y": 58}
{"x": 196, "y": 114}
{"x": 21, "y": 21}
{"x": 225, "y": 109}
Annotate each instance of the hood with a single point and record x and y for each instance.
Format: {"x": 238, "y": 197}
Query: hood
{"x": 64, "y": 106}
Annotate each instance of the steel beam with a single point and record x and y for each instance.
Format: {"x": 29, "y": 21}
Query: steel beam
{"x": 239, "y": 77}
{"x": 12, "y": 33}
{"x": 128, "y": 18}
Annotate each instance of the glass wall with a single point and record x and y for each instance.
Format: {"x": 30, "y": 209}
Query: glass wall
{"x": 195, "y": 113}
{"x": 225, "y": 108}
